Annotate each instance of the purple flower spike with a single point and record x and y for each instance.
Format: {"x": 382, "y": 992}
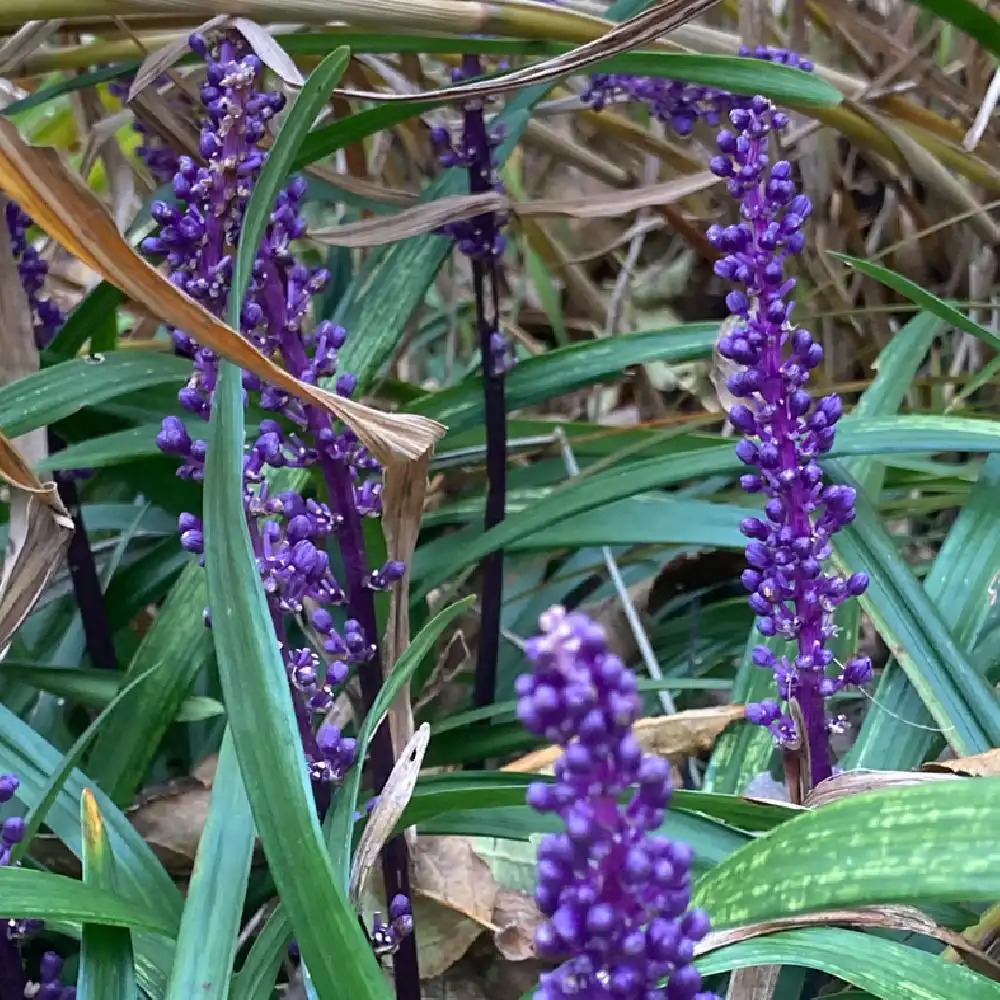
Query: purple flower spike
{"x": 33, "y": 270}
{"x": 792, "y": 592}
{"x": 616, "y": 894}
{"x": 386, "y": 937}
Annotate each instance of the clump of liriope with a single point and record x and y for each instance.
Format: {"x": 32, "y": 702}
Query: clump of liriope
{"x": 289, "y": 531}
{"x": 616, "y": 893}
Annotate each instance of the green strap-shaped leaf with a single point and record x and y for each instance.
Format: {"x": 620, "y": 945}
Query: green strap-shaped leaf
{"x": 921, "y": 843}
{"x": 254, "y": 681}
{"x": 210, "y": 924}
{"x": 883, "y": 968}
{"x": 106, "y": 964}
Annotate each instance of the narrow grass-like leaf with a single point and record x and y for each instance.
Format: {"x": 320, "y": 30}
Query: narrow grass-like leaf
{"x": 920, "y": 843}
{"x": 967, "y": 16}
{"x": 961, "y": 701}
{"x": 58, "y": 778}
{"x": 180, "y": 646}
{"x": 55, "y": 393}
{"x": 253, "y": 677}
{"x": 311, "y": 100}
{"x": 876, "y": 436}
{"x": 566, "y": 369}
{"x": 255, "y": 980}
{"x": 210, "y": 924}
{"x": 107, "y": 968}
{"x": 898, "y": 731}
{"x": 886, "y": 969}
{"x": 924, "y": 299}
{"x": 94, "y": 315}
{"x": 28, "y": 893}
{"x": 341, "y": 823}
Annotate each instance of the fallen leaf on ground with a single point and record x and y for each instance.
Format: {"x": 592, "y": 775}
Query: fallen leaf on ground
{"x": 980, "y": 765}
{"x": 680, "y": 735}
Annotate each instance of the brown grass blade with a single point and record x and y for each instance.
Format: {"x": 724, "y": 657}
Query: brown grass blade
{"x": 40, "y": 529}
{"x": 859, "y": 782}
{"x": 67, "y": 210}
{"x": 402, "y": 509}
{"x": 677, "y": 735}
{"x": 26, "y": 40}
{"x": 392, "y": 801}
{"x": 895, "y": 918}
{"x": 270, "y": 52}
{"x": 421, "y": 219}
{"x": 160, "y": 60}
{"x": 637, "y": 31}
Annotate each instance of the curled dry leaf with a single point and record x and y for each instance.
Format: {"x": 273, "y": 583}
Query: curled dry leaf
{"x": 67, "y": 210}
{"x": 40, "y": 526}
{"x": 679, "y": 735}
{"x": 894, "y": 918}
{"x": 24, "y": 41}
{"x": 426, "y": 218}
{"x": 515, "y": 919}
{"x": 637, "y": 31}
{"x": 980, "y": 765}
{"x": 161, "y": 59}
{"x": 171, "y": 820}
{"x": 271, "y": 54}
{"x": 402, "y": 510}
{"x": 392, "y": 801}
{"x": 858, "y": 782}
{"x": 454, "y": 896}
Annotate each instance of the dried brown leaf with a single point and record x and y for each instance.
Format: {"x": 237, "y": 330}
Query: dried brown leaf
{"x": 392, "y": 801}
{"x": 66, "y": 209}
{"x": 516, "y": 918}
{"x": 161, "y": 59}
{"x": 454, "y": 894}
{"x": 894, "y": 918}
{"x": 980, "y": 765}
{"x": 39, "y": 525}
{"x": 858, "y": 782}
{"x": 171, "y": 821}
{"x": 421, "y": 219}
{"x": 25, "y": 40}
{"x": 644, "y": 28}
{"x": 677, "y": 735}
{"x": 270, "y": 52}
{"x": 402, "y": 510}
{"x": 755, "y": 983}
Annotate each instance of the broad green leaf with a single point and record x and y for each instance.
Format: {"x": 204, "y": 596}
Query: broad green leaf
{"x": 567, "y": 369}
{"x": 28, "y": 893}
{"x": 210, "y": 924}
{"x": 931, "y": 842}
{"x": 883, "y": 968}
{"x": 958, "y": 697}
{"x": 254, "y": 680}
{"x": 106, "y": 964}
{"x": 55, "y": 393}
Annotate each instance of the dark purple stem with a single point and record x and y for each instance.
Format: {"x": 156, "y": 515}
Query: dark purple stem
{"x": 87, "y": 587}
{"x": 361, "y": 606}
{"x": 484, "y": 273}
{"x": 12, "y": 981}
